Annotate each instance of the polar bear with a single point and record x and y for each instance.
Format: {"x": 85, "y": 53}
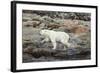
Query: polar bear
{"x": 54, "y": 37}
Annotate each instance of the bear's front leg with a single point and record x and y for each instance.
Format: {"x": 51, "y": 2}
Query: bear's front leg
{"x": 45, "y": 40}
{"x": 54, "y": 44}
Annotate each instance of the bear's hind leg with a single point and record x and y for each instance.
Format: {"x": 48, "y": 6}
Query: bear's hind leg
{"x": 66, "y": 44}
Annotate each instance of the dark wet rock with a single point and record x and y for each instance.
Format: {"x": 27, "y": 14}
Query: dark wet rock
{"x": 45, "y": 54}
{"x": 38, "y": 52}
{"x": 72, "y": 51}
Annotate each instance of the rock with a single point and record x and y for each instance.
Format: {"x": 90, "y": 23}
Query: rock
{"x": 39, "y": 52}
{"x": 32, "y": 23}
{"x": 28, "y": 50}
{"x": 42, "y": 26}
{"x": 70, "y": 24}
{"x": 47, "y": 45}
{"x": 36, "y": 17}
{"x": 60, "y": 29}
{"x": 27, "y": 43}
{"x": 27, "y": 57}
{"x": 86, "y": 40}
{"x": 52, "y": 26}
{"x": 75, "y": 27}
{"x": 80, "y": 29}
{"x": 25, "y": 19}
{"x": 72, "y": 51}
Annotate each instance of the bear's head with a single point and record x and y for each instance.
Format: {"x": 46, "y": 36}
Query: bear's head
{"x": 43, "y": 32}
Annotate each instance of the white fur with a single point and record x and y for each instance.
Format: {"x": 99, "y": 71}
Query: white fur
{"x": 55, "y": 36}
